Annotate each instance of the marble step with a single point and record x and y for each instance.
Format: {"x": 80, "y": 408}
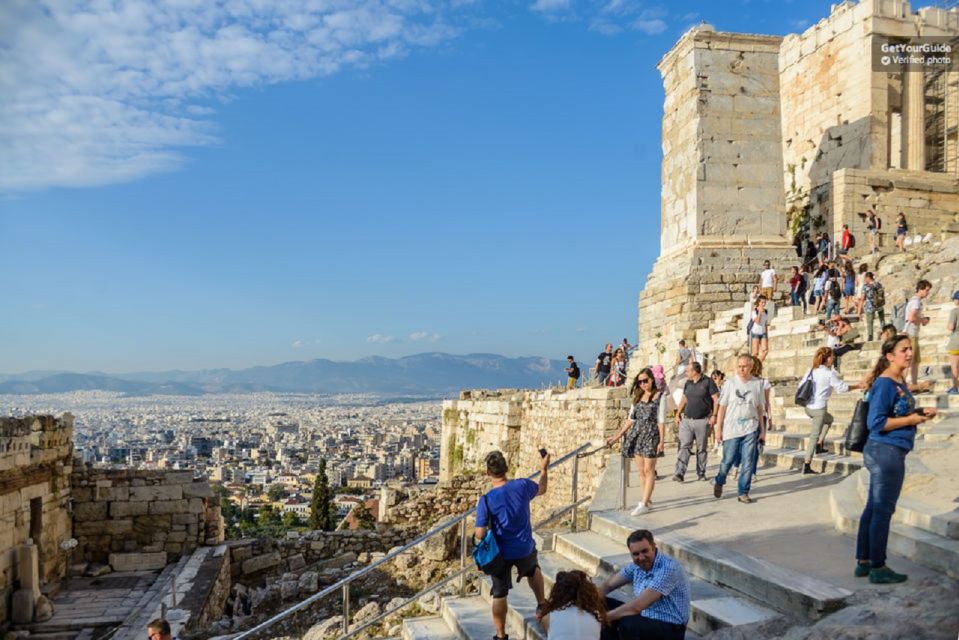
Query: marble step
{"x": 795, "y": 594}
{"x": 711, "y": 607}
{"x": 427, "y": 628}
{"x": 911, "y": 510}
{"x": 918, "y": 545}
{"x": 796, "y": 440}
{"x": 822, "y": 463}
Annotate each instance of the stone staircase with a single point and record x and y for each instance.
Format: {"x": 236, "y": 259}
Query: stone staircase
{"x": 728, "y": 588}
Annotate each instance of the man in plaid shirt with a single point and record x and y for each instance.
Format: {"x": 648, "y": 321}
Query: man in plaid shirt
{"x": 659, "y": 609}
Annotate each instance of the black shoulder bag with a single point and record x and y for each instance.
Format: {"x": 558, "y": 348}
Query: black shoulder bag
{"x": 805, "y": 391}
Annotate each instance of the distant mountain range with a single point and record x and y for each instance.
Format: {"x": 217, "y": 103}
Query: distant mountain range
{"x": 429, "y": 374}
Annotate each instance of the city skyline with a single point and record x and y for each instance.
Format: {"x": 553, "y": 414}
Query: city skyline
{"x": 380, "y": 180}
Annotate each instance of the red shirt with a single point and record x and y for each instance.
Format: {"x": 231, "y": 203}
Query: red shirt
{"x": 845, "y": 238}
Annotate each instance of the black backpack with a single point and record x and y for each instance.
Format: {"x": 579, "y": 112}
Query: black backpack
{"x": 852, "y": 241}
{"x": 835, "y": 291}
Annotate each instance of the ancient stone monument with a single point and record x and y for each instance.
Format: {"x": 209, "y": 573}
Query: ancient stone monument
{"x": 765, "y": 138}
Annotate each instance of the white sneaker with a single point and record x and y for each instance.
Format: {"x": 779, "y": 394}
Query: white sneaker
{"x": 640, "y": 508}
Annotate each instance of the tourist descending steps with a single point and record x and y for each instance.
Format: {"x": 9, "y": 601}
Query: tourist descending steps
{"x": 604, "y": 362}
{"x": 892, "y": 421}
{"x": 507, "y": 514}
{"x": 644, "y": 432}
{"x": 659, "y": 609}
{"x": 759, "y": 329}
{"x": 695, "y": 415}
{"x": 872, "y": 300}
{"x": 739, "y": 426}
{"x": 902, "y": 228}
{"x": 768, "y": 281}
{"x": 914, "y": 320}
{"x": 575, "y": 609}
{"x": 952, "y": 347}
{"x": 873, "y": 225}
{"x": 825, "y": 380}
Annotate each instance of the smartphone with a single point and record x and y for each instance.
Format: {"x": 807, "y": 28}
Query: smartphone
{"x": 542, "y": 453}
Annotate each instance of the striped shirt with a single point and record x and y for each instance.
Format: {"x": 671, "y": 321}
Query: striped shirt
{"x": 667, "y": 578}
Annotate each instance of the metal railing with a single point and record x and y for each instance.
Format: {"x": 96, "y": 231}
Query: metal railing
{"x": 343, "y": 585}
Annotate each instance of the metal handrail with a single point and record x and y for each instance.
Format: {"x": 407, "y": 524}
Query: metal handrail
{"x": 344, "y": 583}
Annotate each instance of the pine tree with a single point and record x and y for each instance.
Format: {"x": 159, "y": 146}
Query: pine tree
{"x": 322, "y": 511}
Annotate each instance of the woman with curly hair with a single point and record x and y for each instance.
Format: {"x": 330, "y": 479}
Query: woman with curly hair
{"x": 575, "y": 610}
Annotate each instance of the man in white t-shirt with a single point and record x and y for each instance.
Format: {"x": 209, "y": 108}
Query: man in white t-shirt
{"x": 739, "y": 426}
{"x": 914, "y": 320}
{"x": 768, "y": 281}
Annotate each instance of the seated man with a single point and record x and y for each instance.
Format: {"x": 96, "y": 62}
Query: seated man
{"x": 842, "y": 337}
{"x": 659, "y": 609}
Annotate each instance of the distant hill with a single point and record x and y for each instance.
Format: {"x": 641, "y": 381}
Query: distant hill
{"x": 421, "y": 374}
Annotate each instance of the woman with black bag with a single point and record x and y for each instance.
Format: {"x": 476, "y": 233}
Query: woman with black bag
{"x": 825, "y": 379}
{"x": 892, "y": 421}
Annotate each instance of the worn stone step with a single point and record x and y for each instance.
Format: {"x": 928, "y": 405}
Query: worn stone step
{"x": 822, "y": 463}
{"x": 788, "y": 591}
{"x": 427, "y": 628}
{"x": 711, "y": 607}
{"x": 918, "y": 545}
{"x": 910, "y": 509}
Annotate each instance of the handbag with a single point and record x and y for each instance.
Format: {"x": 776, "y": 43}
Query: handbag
{"x": 805, "y": 391}
{"x": 857, "y": 433}
{"x": 486, "y": 552}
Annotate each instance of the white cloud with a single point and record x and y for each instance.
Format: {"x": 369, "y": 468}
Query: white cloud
{"x": 377, "y": 338}
{"x": 297, "y": 344}
{"x": 421, "y": 336}
{"x": 549, "y": 6}
{"x": 95, "y": 93}
{"x": 650, "y": 27}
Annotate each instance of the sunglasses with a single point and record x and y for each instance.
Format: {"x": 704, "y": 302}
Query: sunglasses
{"x": 644, "y": 380}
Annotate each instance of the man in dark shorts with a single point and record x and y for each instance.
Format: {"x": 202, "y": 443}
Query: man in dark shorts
{"x": 509, "y": 517}
{"x": 603, "y": 364}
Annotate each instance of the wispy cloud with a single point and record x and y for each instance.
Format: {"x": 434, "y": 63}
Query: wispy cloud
{"x": 617, "y": 16}
{"x": 425, "y": 336}
{"x": 377, "y": 338}
{"x": 550, "y": 6}
{"x": 297, "y": 344}
{"x": 104, "y": 92}
{"x": 650, "y": 27}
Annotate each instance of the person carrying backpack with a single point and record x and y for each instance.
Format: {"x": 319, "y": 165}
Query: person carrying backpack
{"x": 872, "y": 300}
{"x": 833, "y": 294}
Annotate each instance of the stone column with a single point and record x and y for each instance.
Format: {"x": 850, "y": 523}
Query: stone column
{"x": 914, "y": 120}
{"x": 28, "y": 572}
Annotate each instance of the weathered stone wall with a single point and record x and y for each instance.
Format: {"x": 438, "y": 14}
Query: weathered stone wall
{"x": 35, "y": 463}
{"x": 929, "y": 200}
{"x": 425, "y": 506}
{"x": 128, "y": 510}
{"x": 557, "y": 421}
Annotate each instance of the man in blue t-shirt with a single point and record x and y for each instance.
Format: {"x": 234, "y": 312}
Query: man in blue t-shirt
{"x": 508, "y": 515}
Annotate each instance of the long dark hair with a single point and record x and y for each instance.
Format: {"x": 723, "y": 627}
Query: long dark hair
{"x": 637, "y": 391}
{"x": 883, "y": 363}
{"x": 575, "y": 588}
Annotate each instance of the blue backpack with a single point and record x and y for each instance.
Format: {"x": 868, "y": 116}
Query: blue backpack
{"x": 486, "y": 552}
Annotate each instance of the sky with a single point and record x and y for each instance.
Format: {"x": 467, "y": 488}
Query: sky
{"x": 196, "y": 183}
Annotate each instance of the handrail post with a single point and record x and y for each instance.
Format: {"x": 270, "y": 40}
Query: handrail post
{"x": 572, "y": 524}
{"x": 463, "y": 556}
{"x": 623, "y": 482}
{"x": 346, "y": 608}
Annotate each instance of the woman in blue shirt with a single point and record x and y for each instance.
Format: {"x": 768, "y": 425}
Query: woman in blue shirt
{"x": 892, "y": 422}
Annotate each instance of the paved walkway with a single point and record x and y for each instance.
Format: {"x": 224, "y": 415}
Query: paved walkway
{"x": 789, "y": 523}
{"x": 105, "y": 601}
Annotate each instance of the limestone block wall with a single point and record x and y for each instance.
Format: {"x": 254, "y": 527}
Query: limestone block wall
{"x": 558, "y": 421}
{"x": 929, "y": 200}
{"x": 35, "y": 463}
{"x": 131, "y": 510}
{"x": 721, "y": 139}
{"x": 431, "y": 504}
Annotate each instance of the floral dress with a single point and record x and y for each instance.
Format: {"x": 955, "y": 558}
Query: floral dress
{"x": 642, "y": 439}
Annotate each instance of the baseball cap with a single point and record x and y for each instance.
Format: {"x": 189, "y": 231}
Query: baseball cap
{"x": 955, "y": 295}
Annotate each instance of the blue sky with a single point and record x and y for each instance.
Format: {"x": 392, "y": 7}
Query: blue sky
{"x": 210, "y": 185}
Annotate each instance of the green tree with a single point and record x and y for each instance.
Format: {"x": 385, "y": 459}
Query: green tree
{"x": 363, "y": 518}
{"x": 322, "y": 510}
{"x": 291, "y": 520}
{"x": 276, "y": 492}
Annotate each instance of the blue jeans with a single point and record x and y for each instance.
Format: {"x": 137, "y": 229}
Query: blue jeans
{"x": 887, "y": 467}
{"x": 741, "y": 451}
{"x": 832, "y": 307}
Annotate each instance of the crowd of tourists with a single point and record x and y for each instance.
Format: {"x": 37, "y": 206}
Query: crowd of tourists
{"x": 735, "y": 412}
